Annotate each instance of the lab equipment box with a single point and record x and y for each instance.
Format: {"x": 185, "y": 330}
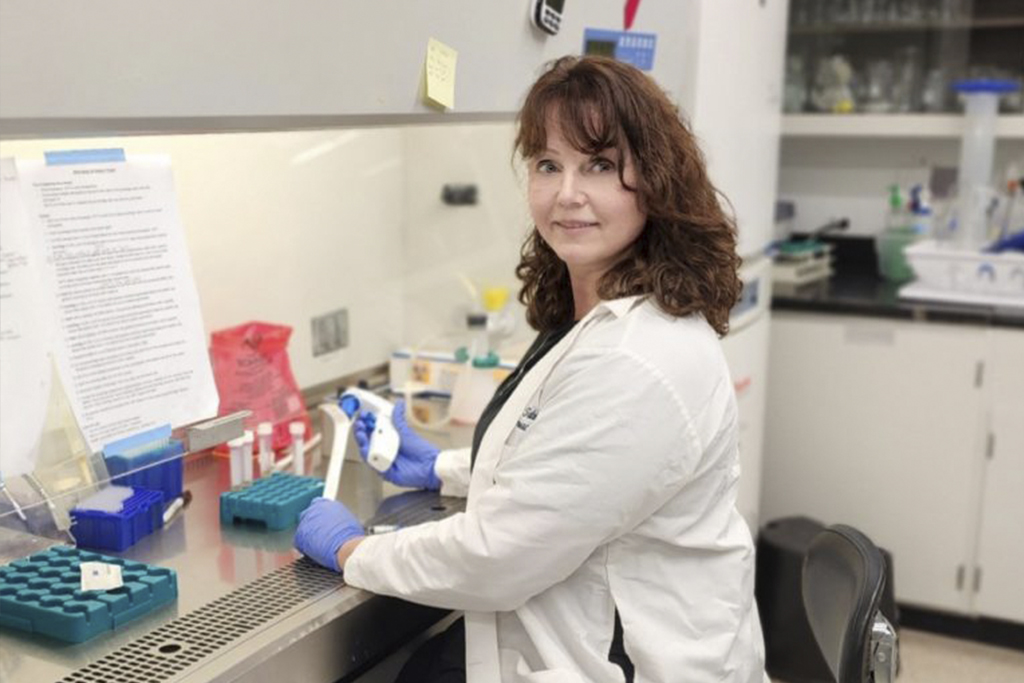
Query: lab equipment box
{"x": 42, "y": 594}
{"x": 141, "y": 515}
{"x": 276, "y": 501}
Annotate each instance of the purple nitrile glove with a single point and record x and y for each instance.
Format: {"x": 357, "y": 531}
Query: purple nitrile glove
{"x": 414, "y": 464}
{"x": 324, "y": 527}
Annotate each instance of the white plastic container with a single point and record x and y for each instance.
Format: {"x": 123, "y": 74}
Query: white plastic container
{"x": 977, "y": 150}
{"x": 940, "y": 267}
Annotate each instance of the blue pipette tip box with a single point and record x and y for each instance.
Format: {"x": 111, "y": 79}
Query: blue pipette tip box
{"x": 276, "y": 501}
{"x": 42, "y": 594}
{"x": 160, "y": 469}
{"x": 141, "y": 515}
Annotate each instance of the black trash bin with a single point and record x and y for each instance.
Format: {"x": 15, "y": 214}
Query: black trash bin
{"x": 791, "y": 653}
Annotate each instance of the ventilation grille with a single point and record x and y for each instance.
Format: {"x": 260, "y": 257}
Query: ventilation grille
{"x": 171, "y": 649}
{"x": 178, "y": 645}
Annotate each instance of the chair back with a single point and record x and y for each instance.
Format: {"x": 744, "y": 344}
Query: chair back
{"x": 843, "y": 579}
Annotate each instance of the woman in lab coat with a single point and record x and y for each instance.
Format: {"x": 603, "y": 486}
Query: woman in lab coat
{"x": 600, "y": 540}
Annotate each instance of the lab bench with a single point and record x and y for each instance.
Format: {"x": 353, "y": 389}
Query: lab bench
{"x": 249, "y": 607}
{"x": 864, "y": 293}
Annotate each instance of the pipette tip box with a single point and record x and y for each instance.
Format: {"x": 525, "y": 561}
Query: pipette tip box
{"x": 141, "y": 515}
{"x": 160, "y": 469}
{"x": 42, "y": 594}
{"x": 276, "y": 501}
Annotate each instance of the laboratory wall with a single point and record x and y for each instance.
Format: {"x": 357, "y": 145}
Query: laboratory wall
{"x": 837, "y": 178}
{"x": 453, "y": 252}
{"x": 286, "y": 226}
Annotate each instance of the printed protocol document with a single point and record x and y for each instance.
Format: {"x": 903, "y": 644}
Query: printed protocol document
{"x": 129, "y": 343}
{"x": 26, "y": 333}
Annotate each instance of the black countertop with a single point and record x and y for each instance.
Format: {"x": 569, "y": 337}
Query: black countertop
{"x": 856, "y": 289}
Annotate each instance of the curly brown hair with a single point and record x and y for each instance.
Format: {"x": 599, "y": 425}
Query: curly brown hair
{"x": 685, "y": 257}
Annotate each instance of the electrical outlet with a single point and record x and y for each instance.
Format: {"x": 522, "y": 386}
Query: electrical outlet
{"x": 330, "y": 332}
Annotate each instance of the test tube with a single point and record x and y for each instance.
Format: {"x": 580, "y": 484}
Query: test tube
{"x": 298, "y": 430}
{"x": 265, "y": 431}
{"x": 248, "y": 438}
{"x": 237, "y": 447}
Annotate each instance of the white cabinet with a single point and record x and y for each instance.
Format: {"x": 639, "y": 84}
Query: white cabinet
{"x": 746, "y": 351}
{"x": 874, "y": 423}
{"x": 737, "y": 119}
{"x": 1000, "y": 553}
{"x": 914, "y": 433}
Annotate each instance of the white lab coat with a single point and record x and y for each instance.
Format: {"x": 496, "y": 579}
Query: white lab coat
{"x": 607, "y": 481}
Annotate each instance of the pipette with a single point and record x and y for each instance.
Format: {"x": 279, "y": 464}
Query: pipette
{"x": 384, "y": 440}
{"x": 338, "y": 425}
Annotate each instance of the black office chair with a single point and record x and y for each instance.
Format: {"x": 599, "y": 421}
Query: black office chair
{"x": 843, "y": 579}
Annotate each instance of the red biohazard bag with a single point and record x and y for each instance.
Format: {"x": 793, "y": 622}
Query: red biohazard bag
{"x": 251, "y": 368}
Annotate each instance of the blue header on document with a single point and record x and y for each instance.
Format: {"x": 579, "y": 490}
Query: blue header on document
{"x": 84, "y": 156}
{"x": 142, "y": 441}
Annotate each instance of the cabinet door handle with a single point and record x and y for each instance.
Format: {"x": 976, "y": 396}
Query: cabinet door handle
{"x": 960, "y": 571}
{"x": 977, "y": 579}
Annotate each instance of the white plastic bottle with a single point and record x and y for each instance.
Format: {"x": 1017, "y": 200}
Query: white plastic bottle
{"x": 297, "y": 430}
{"x": 237, "y": 449}
{"x": 248, "y": 439}
{"x": 265, "y": 431}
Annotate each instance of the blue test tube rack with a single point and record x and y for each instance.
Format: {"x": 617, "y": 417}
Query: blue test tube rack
{"x": 276, "y": 501}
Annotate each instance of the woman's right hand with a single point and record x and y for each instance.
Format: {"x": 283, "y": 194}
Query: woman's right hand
{"x": 414, "y": 463}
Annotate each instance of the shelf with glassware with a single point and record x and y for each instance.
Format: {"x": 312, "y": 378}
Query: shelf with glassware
{"x": 909, "y": 26}
{"x": 829, "y": 16}
{"x": 857, "y": 125}
{"x": 888, "y": 68}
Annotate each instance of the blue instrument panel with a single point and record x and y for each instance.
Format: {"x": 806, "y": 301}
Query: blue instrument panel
{"x": 632, "y": 48}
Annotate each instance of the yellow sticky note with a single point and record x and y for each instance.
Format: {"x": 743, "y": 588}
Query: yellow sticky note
{"x": 440, "y": 73}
